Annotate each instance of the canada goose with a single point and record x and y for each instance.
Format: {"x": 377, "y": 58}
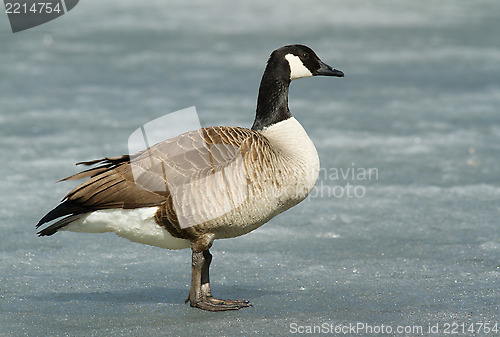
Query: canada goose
{"x": 212, "y": 183}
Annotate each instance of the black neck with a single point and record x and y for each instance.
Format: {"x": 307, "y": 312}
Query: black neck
{"x": 272, "y": 102}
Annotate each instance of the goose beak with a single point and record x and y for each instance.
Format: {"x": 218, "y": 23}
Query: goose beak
{"x": 326, "y": 70}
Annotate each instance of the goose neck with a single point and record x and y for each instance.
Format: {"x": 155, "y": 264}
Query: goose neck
{"x": 272, "y": 102}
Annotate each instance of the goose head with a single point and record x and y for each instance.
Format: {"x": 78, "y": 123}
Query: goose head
{"x": 285, "y": 64}
{"x": 301, "y": 61}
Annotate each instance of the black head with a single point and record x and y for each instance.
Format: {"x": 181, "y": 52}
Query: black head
{"x": 285, "y": 64}
{"x": 301, "y": 61}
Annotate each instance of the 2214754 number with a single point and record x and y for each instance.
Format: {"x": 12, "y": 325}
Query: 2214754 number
{"x": 35, "y": 8}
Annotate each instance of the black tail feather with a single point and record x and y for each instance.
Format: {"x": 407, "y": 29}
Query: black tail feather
{"x": 59, "y": 211}
{"x": 52, "y": 229}
{"x": 66, "y": 209}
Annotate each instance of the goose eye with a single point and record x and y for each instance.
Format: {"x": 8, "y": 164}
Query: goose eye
{"x": 305, "y": 55}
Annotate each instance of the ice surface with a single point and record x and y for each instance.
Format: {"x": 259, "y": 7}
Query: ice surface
{"x": 419, "y": 103}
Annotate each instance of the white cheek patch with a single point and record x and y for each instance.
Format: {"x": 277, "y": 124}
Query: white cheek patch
{"x": 297, "y": 68}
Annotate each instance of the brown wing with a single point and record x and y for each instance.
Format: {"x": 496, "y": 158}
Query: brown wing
{"x": 145, "y": 179}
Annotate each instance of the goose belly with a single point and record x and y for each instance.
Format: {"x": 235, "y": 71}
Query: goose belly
{"x": 137, "y": 225}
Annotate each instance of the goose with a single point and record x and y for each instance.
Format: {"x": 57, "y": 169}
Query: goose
{"x": 207, "y": 184}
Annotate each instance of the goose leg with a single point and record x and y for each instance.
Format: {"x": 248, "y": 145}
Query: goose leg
{"x": 200, "y": 295}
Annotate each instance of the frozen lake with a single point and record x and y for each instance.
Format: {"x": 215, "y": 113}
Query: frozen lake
{"x": 402, "y": 230}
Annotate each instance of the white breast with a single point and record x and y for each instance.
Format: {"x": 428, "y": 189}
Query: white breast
{"x": 292, "y": 141}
